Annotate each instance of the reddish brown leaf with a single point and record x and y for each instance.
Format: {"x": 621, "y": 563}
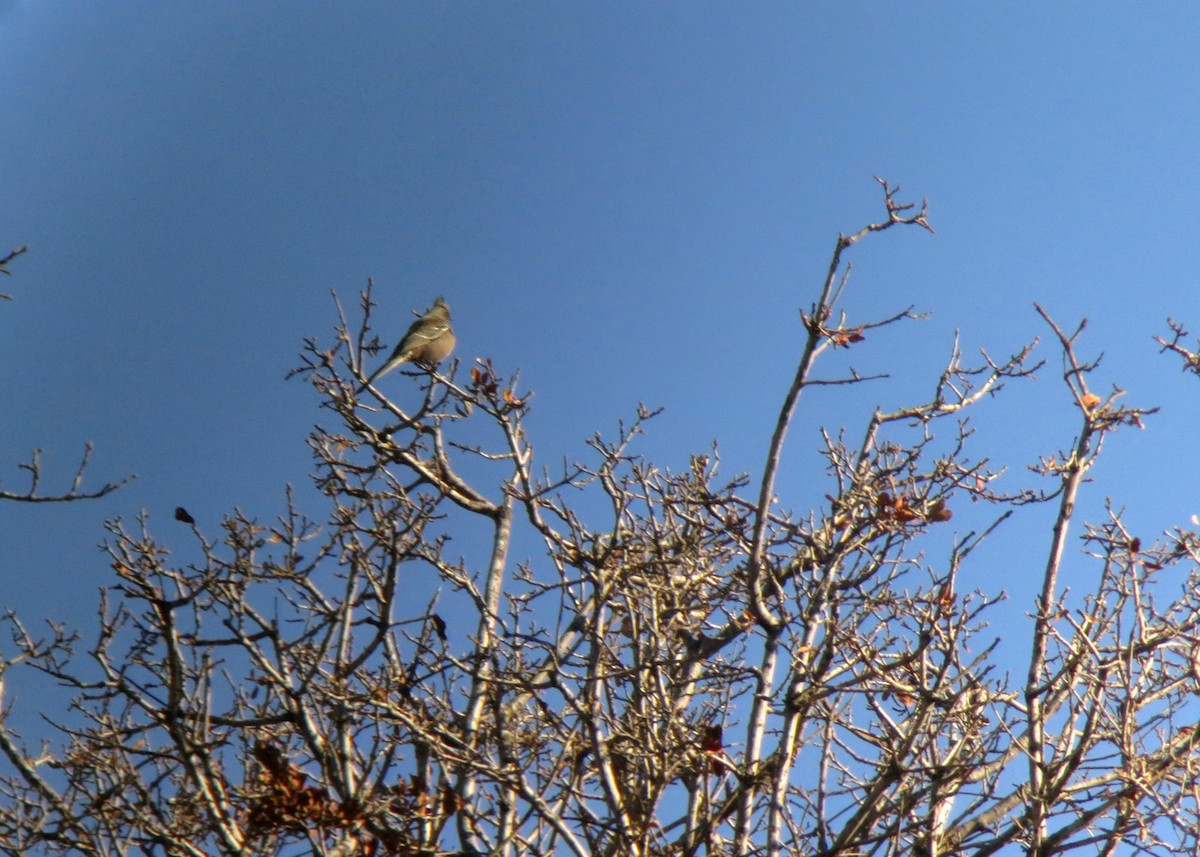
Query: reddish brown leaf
{"x": 945, "y": 600}
{"x": 711, "y": 744}
{"x": 844, "y": 337}
{"x": 938, "y": 512}
{"x": 452, "y": 801}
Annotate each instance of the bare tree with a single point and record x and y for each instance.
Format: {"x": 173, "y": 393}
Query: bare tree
{"x": 680, "y": 667}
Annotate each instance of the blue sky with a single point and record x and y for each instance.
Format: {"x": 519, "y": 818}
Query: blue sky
{"x": 628, "y": 202}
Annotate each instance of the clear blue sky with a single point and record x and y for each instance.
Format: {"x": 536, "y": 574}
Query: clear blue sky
{"x": 629, "y": 202}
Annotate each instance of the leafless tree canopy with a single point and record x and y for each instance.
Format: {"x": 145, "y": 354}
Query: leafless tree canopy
{"x": 472, "y": 653}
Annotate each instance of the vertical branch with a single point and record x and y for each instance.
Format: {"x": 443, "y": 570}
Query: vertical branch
{"x": 1072, "y": 472}
{"x": 818, "y": 335}
{"x": 481, "y": 685}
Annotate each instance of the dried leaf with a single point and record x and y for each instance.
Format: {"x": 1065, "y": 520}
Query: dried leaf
{"x": 712, "y": 745}
{"x": 845, "y": 337}
{"x": 945, "y": 600}
{"x": 938, "y": 512}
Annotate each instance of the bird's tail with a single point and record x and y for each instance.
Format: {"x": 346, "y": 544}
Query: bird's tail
{"x": 388, "y": 366}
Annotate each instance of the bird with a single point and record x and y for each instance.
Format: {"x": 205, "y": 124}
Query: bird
{"x": 428, "y": 341}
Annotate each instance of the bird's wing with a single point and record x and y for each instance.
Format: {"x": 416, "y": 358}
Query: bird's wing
{"x": 424, "y": 330}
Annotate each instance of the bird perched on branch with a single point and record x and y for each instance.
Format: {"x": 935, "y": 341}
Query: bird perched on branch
{"x": 429, "y": 341}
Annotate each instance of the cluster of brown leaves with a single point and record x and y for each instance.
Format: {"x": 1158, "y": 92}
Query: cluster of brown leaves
{"x": 486, "y": 384}
{"x": 844, "y": 337}
{"x": 891, "y": 511}
{"x": 902, "y": 510}
{"x": 284, "y": 801}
